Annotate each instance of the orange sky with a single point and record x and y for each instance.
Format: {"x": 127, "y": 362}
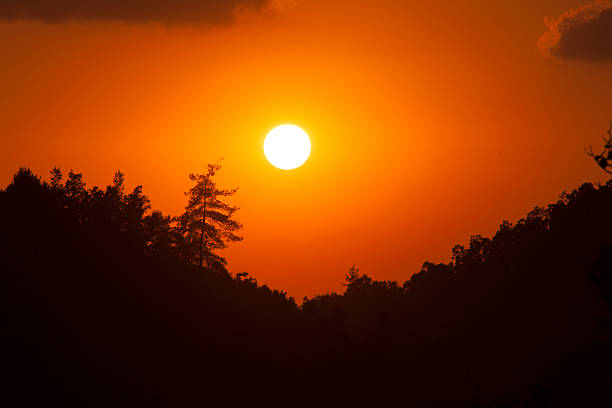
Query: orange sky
{"x": 430, "y": 121}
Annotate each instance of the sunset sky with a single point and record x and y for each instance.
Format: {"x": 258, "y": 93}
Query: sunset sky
{"x": 430, "y": 120}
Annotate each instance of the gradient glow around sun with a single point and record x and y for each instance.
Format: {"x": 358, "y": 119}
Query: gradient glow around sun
{"x": 287, "y": 147}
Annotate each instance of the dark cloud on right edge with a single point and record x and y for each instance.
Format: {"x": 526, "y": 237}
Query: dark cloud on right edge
{"x": 584, "y": 33}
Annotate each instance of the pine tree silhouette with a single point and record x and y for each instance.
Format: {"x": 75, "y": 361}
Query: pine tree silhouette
{"x": 208, "y": 223}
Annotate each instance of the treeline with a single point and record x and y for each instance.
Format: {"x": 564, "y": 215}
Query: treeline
{"x": 109, "y": 302}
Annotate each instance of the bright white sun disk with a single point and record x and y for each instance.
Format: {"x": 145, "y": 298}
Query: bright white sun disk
{"x": 287, "y": 147}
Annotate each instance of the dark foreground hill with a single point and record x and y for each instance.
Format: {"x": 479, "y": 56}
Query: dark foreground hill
{"x": 99, "y": 307}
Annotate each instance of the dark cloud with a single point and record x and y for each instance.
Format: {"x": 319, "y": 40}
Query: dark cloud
{"x": 135, "y": 11}
{"x": 583, "y": 34}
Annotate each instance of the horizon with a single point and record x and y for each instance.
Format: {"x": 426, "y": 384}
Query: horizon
{"x": 342, "y": 274}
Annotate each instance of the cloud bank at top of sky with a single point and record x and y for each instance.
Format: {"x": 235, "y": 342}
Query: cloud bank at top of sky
{"x": 584, "y": 33}
{"x": 134, "y": 11}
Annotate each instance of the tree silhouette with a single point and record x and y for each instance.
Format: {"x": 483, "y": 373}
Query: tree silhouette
{"x": 208, "y": 223}
{"x": 101, "y": 308}
{"x": 604, "y": 159}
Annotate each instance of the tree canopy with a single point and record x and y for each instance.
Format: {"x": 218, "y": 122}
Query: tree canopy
{"x": 208, "y": 223}
{"x": 102, "y": 306}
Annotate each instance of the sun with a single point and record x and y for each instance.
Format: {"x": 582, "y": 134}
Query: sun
{"x": 287, "y": 147}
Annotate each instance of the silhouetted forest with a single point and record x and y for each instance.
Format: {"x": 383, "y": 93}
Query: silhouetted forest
{"x": 108, "y": 303}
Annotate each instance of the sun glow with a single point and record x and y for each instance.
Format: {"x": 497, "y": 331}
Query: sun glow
{"x": 287, "y": 147}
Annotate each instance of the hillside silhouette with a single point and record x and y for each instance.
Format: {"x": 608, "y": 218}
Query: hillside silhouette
{"x": 107, "y": 302}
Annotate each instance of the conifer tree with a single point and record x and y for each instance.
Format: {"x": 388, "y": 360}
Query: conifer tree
{"x": 208, "y": 223}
